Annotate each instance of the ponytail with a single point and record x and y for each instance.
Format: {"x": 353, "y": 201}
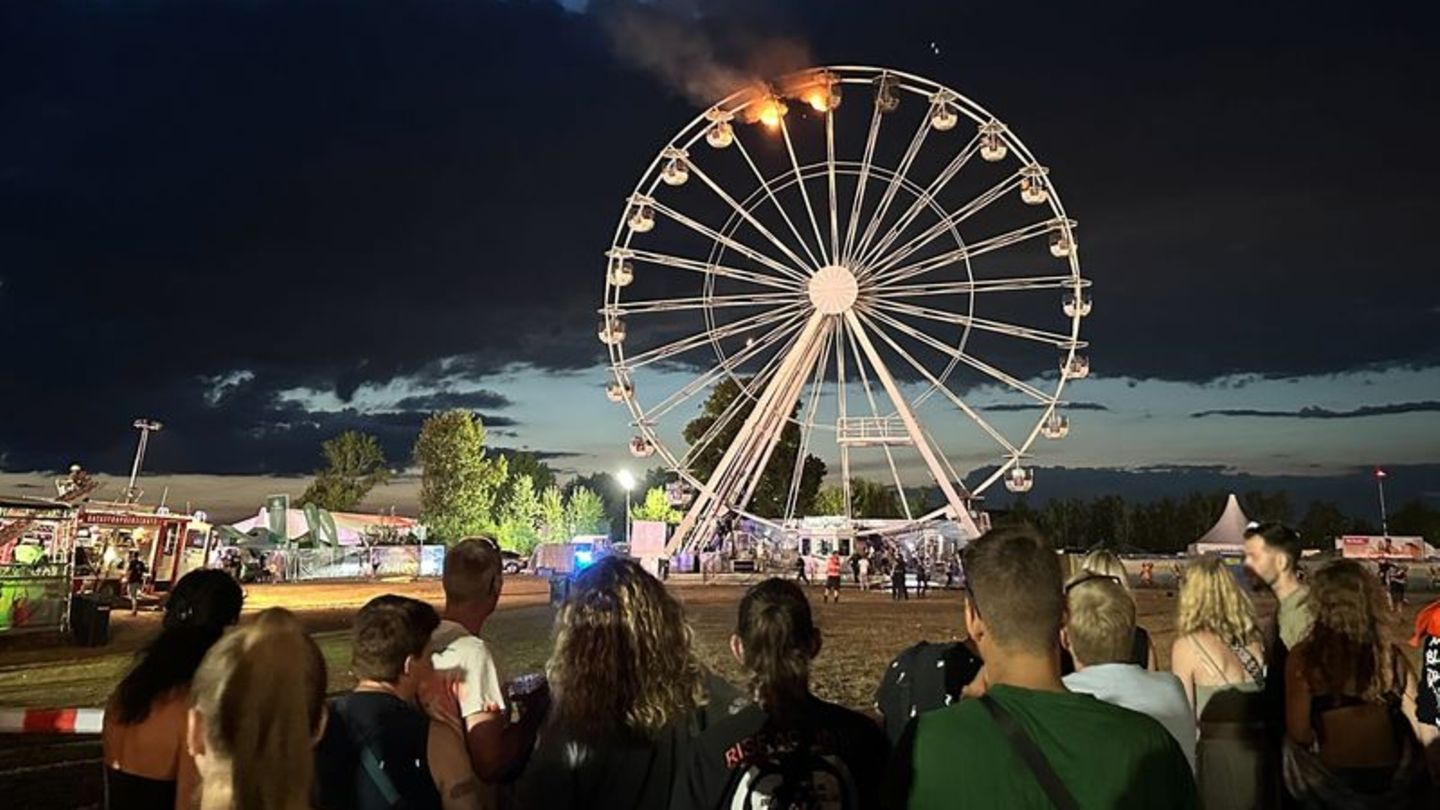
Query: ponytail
{"x": 779, "y": 638}
{"x": 261, "y": 691}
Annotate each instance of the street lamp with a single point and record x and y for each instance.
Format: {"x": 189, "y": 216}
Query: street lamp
{"x": 627, "y": 482}
{"x": 1380, "y": 476}
{"x": 146, "y": 427}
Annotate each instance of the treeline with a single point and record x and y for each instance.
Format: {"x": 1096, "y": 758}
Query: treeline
{"x": 1168, "y": 525}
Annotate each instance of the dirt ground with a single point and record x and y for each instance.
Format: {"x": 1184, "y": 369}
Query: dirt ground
{"x": 861, "y": 635}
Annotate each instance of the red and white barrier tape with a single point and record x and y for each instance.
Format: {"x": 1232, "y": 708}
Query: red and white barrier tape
{"x": 51, "y": 721}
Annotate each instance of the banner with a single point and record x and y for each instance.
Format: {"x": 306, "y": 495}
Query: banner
{"x": 647, "y": 538}
{"x": 31, "y": 602}
{"x": 1376, "y": 547}
{"x": 322, "y": 526}
{"x": 276, "y": 507}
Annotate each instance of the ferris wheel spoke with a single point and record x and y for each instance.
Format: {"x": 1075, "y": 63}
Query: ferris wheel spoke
{"x": 965, "y": 252}
{"x": 894, "y": 185}
{"x": 858, "y": 201}
{"x": 699, "y": 302}
{"x": 996, "y": 327}
{"x": 875, "y": 412}
{"x": 737, "y": 405}
{"x": 770, "y": 193}
{"x": 698, "y": 266}
{"x": 745, "y": 214}
{"x": 1016, "y": 284}
{"x": 807, "y": 426}
{"x": 840, "y": 385}
{"x": 729, "y": 365}
{"x": 728, "y": 241}
{"x": 954, "y": 398}
{"x": 698, "y": 339}
{"x": 834, "y": 201}
{"x": 974, "y": 362}
{"x": 960, "y": 214}
{"x": 800, "y": 181}
{"x": 917, "y": 206}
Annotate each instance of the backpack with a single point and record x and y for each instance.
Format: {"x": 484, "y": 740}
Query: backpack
{"x": 798, "y": 779}
{"x": 922, "y": 678}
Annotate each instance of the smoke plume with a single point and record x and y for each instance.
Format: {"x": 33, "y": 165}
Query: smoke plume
{"x": 677, "y": 49}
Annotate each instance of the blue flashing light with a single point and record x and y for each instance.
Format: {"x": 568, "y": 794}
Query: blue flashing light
{"x": 583, "y": 558}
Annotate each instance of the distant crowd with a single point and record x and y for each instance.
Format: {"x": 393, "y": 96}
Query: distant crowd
{"x": 1054, "y": 699}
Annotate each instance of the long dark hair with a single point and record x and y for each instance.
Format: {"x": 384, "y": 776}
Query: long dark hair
{"x": 622, "y": 663}
{"x": 202, "y": 604}
{"x": 779, "y": 639}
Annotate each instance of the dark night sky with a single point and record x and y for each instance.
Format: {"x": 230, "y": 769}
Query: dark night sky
{"x": 257, "y": 220}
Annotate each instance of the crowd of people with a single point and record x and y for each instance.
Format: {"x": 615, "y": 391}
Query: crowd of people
{"x": 1062, "y": 702}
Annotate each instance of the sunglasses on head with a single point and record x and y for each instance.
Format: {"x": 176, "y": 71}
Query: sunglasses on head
{"x": 1092, "y": 578}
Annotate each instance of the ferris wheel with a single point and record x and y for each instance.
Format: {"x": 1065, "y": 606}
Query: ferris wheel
{"x": 874, "y": 271}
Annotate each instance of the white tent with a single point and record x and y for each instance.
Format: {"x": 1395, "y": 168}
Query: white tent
{"x": 1227, "y": 536}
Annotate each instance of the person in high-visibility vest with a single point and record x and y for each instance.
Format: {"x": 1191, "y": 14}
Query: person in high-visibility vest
{"x": 832, "y": 577}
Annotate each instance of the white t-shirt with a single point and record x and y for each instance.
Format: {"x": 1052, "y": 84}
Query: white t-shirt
{"x": 1157, "y": 694}
{"x": 466, "y": 683}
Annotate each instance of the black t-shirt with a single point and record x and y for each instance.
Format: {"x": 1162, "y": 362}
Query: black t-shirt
{"x": 135, "y": 572}
{"x": 1427, "y": 705}
{"x": 617, "y": 774}
{"x": 737, "y": 754}
{"x": 374, "y": 745}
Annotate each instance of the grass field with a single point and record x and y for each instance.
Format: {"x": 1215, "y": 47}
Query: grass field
{"x": 861, "y": 634}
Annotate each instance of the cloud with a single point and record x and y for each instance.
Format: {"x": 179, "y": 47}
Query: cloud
{"x": 1001, "y": 407}
{"x": 425, "y": 225}
{"x": 445, "y": 400}
{"x": 1316, "y": 412}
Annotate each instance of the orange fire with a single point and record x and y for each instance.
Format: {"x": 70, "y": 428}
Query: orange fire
{"x": 818, "y": 98}
{"x": 770, "y": 111}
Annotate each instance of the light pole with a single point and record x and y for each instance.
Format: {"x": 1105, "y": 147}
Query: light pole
{"x": 1380, "y": 476}
{"x": 627, "y": 482}
{"x": 146, "y": 427}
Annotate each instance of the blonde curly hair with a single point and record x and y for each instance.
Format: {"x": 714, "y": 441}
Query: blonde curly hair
{"x": 622, "y": 663}
{"x": 1347, "y": 649}
{"x": 1212, "y": 601}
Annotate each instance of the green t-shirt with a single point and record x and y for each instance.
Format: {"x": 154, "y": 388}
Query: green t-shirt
{"x": 1108, "y": 757}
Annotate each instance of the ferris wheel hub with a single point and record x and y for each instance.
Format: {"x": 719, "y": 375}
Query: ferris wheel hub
{"x": 833, "y": 290}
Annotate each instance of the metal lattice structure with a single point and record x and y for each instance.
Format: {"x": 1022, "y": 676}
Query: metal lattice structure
{"x": 783, "y": 241}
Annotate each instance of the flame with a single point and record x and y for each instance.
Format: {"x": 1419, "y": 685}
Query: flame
{"x": 818, "y": 98}
{"x": 769, "y": 112}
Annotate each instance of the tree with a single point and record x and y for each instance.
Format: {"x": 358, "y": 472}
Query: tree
{"x": 1322, "y": 523}
{"x": 524, "y": 462}
{"x": 1416, "y": 518}
{"x": 830, "y": 501}
{"x": 457, "y": 482}
{"x": 518, "y": 528}
{"x": 773, "y": 490}
{"x": 554, "y": 526}
{"x": 656, "y": 506}
{"x": 585, "y": 512}
{"x": 355, "y": 464}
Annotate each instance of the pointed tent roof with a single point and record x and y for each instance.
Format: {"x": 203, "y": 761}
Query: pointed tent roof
{"x": 1229, "y": 530}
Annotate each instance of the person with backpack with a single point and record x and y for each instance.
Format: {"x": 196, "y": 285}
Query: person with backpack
{"x": 374, "y": 754}
{"x": 786, "y": 748}
{"x": 1028, "y": 741}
